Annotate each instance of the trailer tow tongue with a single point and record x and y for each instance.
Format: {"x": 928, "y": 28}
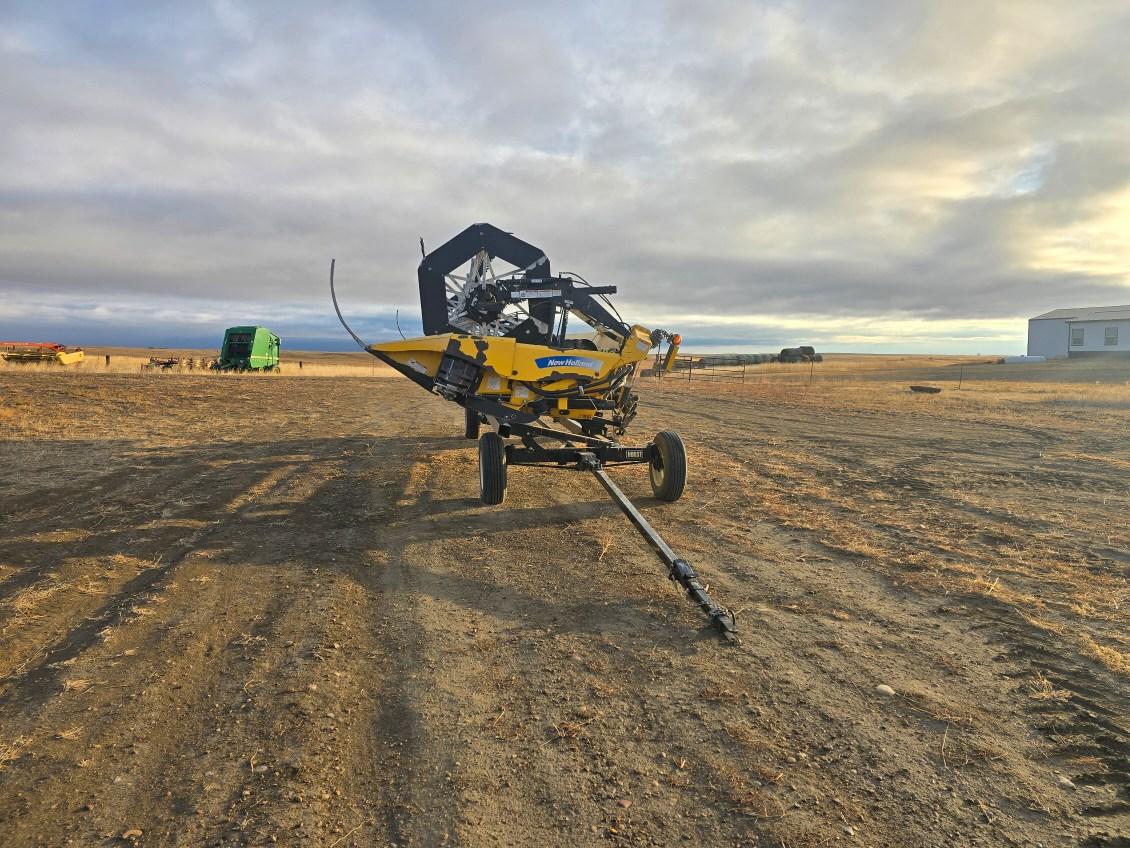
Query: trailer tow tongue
{"x": 678, "y": 569}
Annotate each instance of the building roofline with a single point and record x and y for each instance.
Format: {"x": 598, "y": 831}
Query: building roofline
{"x": 1086, "y": 313}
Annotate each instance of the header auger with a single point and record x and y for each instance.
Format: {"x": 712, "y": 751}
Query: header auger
{"x": 501, "y": 341}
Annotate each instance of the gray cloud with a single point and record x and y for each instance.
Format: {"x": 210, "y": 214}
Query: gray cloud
{"x": 713, "y": 159}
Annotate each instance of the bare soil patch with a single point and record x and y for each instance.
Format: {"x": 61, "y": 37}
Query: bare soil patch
{"x": 250, "y": 611}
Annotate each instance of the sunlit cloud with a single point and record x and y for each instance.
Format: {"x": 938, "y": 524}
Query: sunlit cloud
{"x": 1098, "y": 244}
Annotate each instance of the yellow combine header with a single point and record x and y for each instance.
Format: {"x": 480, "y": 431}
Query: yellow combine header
{"x": 546, "y": 364}
{"x": 26, "y": 352}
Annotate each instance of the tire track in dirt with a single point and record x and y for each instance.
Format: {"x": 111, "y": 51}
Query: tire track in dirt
{"x": 464, "y": 601}
{"x": 1080, "y": 696}
{"x": 168, "y": 487}
{"x": 356, "y": 652}
{"x": 1079, "y": 713}
{"x": 203, "y": 674}
{"x": 715, "y": 785}
{"x": 433, "y": 685}
{"x": 164, "y": 549}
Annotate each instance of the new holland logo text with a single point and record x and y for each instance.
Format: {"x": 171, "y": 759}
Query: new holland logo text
{"x": 568, "y": 362}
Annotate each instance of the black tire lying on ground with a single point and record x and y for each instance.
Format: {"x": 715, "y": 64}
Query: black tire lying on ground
{"x": 669, "y": 467}
{"x": 492, "y": 468}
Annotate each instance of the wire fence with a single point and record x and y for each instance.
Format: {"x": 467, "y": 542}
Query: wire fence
{"x": 703, "y": 370}
{"x": 917, "y": 371}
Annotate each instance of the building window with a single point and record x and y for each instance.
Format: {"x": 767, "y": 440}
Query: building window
{"x": 1076, "y": 336}
{"x": 1111, "y": 337}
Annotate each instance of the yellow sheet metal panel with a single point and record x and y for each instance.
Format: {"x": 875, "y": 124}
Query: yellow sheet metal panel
{"x": 525, "y": 362}
{"x": 511, "y": 368}
{"x": 498, "y": 351}
{"x": 538, "y": 363}
{"x": 637, "y": 345}
{"x": 493, "y": 383}
{"x": 433, "y": 343}
{"x": 422, "y": 361}
{"x": 672, "y": 352}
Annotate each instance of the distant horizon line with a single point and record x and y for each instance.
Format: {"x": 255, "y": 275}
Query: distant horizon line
{"x": 284, "y": 352}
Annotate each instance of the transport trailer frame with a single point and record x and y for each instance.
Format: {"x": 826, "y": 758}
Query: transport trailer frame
{"x": 530, "y": 452}
{"x": 593, "y": 455}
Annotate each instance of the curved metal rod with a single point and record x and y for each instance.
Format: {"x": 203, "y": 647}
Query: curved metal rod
{"x": 333, "y": 296}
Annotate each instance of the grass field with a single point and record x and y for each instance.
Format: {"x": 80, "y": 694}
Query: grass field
{"x": 134, "y": 360}
{"x": 270, "y": 609}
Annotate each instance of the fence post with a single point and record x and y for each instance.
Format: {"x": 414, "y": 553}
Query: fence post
{"x": 960, "y": 374}
{"x": 690, "y": 368}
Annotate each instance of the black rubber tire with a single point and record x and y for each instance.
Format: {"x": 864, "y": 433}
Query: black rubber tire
{"x": 472, "y": 424}
{"x": 492, "y": 468}
{"x": 669, "y": 468}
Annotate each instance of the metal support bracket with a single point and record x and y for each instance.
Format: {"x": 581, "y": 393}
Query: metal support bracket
{"x": 678, "y": 569}
{"x": 569, "y": 453}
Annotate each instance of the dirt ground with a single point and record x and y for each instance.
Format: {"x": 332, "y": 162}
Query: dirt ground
{"x": 271, "y": 610}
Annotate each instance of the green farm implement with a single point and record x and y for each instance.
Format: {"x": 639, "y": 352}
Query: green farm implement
{"x": 248, "y": 349}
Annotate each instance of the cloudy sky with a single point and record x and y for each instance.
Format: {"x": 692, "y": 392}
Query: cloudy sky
{"x": 916, "y": 175}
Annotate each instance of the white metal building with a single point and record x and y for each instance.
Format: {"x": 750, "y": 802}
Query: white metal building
{"x": 1087, "y": 331}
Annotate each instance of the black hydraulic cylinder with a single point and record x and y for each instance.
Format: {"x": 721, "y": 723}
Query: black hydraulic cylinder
{"x": 678, "y": 569}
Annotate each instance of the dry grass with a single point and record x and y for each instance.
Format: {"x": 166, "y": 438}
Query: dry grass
{"x": 134, "y": 365}
{"x": 570, "y": 729}
{"x": 29, "y": 599}
{"x": 12, "y": 749}
{"x": 958, "y": 521}
{"x": 1112, "y": 658}
{"x": 27, "y": 604}
{"x": 89, "y": 587}
{"x": 964, "y": 749}
{"x": 132, "y": 361}
{"x": 853, "y": 385}
{"x": 1042, "y": 689}
{"x": 937, "y": 709}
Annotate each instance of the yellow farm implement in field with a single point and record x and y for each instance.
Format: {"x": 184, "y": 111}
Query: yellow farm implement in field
{"x": 545, "y": 364}
{"x": 31, "y": 352}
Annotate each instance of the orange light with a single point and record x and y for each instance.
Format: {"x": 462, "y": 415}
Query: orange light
{"x": 676, "y": 339}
